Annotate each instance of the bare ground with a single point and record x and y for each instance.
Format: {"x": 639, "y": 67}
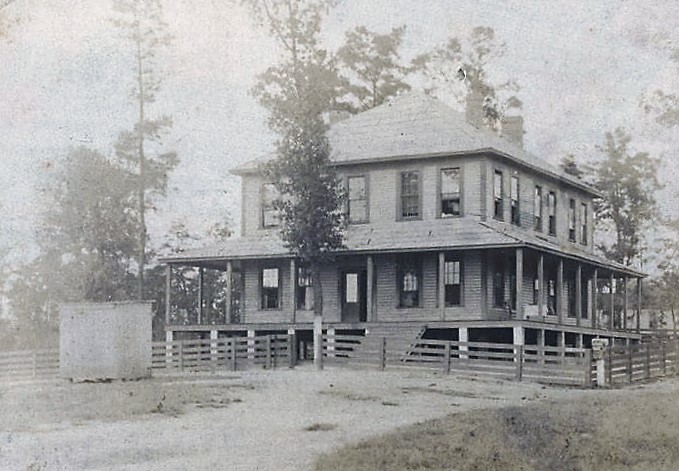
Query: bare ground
{"x": 251, "y": 420}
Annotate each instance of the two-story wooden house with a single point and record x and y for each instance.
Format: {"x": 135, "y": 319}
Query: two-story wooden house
{"x": 454, "y": 232}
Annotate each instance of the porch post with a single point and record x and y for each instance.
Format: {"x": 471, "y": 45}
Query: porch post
{"x": 293, "y": 290}
{"x": 626, "y": 305}
{"x": 463, "y": 337}
{"x": 442, "y": 286}
{"x": 200, "y": 295}
{"x": 541, "y": 286}
{"x": 639, "y": 305}
{"x": 578, "y": 294}
{"x": 612, "y": 304}
{"x": 168, "y": 289}
{"x": 595, "y": 300}
{"x": 559, "y": 292}
{"x": 229, "y": 288}
{"x": 370, "y": 312}
{"x": 519, "y": 283}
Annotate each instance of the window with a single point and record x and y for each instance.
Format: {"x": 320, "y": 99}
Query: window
{"x": 570, "y": 287}
{"x": 358, "y": 200}
{"x": 536, "y": 291}
{"x": 514, "y": 200}
{"x": 551, "y": 297}
{"x": 270, "y": 288}
{"x": 571, "y": 220}
{"x": 551, "y": 212}
{"x": 497, "y": 194}
{"x": 450, "y": 192}
{"x": 305, "y": 295}
{"x": 269, "y": 213}
{"x": 409, "y": 281}
{"x": 452, "y": 280}
{"x": 583, "y": 224}
{"x": 410, "y": 195}
{"x": 537, "y": 209}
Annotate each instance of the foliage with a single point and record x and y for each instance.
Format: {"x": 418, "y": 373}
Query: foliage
{"x": 139, "y": 150}
{"x": 458, "y": 69}
{"x": 628, "y": 183}
{"x": 569, "y": 165}
{"x": 374, "y": 62}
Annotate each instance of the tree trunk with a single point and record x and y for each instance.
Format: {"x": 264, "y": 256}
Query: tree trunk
{"x": 318, "y": 316}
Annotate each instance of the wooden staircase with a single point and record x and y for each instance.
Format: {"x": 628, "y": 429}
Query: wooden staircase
{"x": 400, "y": 339}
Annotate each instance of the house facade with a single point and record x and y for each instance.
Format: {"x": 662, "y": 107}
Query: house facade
{"x": 453, "y": 232}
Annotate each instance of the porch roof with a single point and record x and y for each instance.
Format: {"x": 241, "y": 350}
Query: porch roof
{"x": 410, "y": 236}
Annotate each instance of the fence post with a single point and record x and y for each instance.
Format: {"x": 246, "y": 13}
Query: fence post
{"x": 446, "y": 359}
{"x": 292, "y": 350}
{"x": 630, "y": 364}
{"x": 610, "y": 365}
{"x": 181, "y": 355}
{"x": 664, "y": 358}
{"x": 588, "y": 368}
{"x": 383, "y": 363}
{"x": 233, "y": 348}
{"x": 648, "y": 361}
{"x": 268, "y": 351}
{"x": 519, "y": 361}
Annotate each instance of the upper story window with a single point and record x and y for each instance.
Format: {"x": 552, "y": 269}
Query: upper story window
{"x": 514, "y": 200}
{"x": 270, "y": 293}
{"x": 497, "y": 194}
{"x": 450, "y": 192}
{"x": 270, "y": 217}
{"x": 410, "y": 195}
{"x": 358, "y": 199}
{"x": 551, "y": 212}
{"x": 571, "y": 220}
{"x": 452, "y": 278}
{"x": 583, "y": 224}
{"x": 537, "y": 209}
{"x": 409, "y": 282}
{"x": 305, "y": 298}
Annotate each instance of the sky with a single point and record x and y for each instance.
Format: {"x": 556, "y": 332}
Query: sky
{"x": 584, "y": 69}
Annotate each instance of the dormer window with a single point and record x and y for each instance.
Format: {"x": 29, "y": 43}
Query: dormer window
{"x": 450, "y": 192}
{"x": 497, "y": 195}
{"x": 357, "y": 199}
{"x": 410, "y": 195}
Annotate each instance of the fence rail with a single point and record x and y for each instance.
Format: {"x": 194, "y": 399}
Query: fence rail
{"x": 232, "y": 353}
{"x": 29, "y": 364}
{"x": 628, "y": 364}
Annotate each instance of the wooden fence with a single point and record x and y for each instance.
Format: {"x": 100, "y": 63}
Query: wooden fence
{"x": 233, "y": 353}
{"x": 29, "y": 364}
{"x": 554, "y": 365}
{"x": 626, "y": 364}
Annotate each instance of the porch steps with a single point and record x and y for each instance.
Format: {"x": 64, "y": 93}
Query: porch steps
{"x": 400, "y": 340}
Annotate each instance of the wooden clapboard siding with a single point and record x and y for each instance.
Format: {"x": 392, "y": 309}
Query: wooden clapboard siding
{"x": 472, "y": 307}
{"x": 253, "y": 313}
{"x": 331, "y": 303}
{"x": 251, "y": 207}
{"x": 382, "y": 195}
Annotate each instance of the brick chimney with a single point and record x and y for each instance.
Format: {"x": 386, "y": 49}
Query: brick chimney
{"x": 512, "y": 129}
{"x": 474, "y": 108}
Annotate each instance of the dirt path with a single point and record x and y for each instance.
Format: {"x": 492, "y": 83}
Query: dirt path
{"x": 254, "y": 420}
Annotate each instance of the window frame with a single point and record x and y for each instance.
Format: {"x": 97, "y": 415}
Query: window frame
{"x": 262, "y": 299}
{"x": 267, "y": 207}
{"x": 401, "y": 196}
{"x": 498, "y": 201}
{"x": 584, "y": 223}
{"x": 572, "y": 220}
{"x": 552, "y": 205}
{"x": 537, "y": 209}
{"x": 515, "y": 201}
{"x": 406, "y": 265}
{"x": 366, "y": 199}
{"x": 453, "y": 259}
{"x": 440, "y": 193}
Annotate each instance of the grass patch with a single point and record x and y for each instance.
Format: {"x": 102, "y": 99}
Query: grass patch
{"x": 320, "y": 427}
{"x": 349, "y": 396}
{"x": 616, "y": 434}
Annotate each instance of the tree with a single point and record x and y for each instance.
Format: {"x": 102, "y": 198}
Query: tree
{"x": 374, "y": 62}
{"x": 628, "y": 183}
{"x": 311, "y": 199}
{"x": 140, "y": 149}
{"x": 570, "y": 165}
{"x": 458, "y": 70}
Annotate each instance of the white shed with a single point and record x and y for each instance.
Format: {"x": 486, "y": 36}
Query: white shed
{"x": 101, "y": 341}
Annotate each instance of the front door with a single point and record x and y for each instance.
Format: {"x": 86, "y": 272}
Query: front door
{"x": 354, "y": 295}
